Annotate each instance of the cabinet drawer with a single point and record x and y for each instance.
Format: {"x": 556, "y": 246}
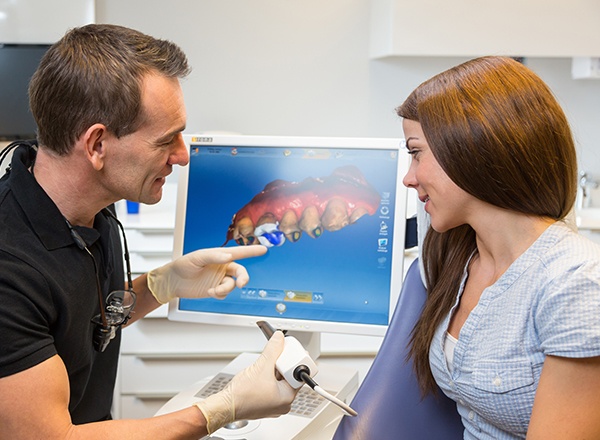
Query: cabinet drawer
{"x": 143, "y": 375}
{"x": 142, "y": 263}
{"x": 141, "y": 407}
{"x": 140, "y": 240}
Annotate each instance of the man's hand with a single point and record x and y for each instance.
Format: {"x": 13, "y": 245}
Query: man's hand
{"x": 254, "y": 393}
{"x": 203, "y": 273}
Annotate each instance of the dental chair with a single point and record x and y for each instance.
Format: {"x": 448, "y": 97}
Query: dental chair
{"x": 389, "y": 402}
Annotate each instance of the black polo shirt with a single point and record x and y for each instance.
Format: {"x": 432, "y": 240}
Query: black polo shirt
{"x": 48, "y": 292}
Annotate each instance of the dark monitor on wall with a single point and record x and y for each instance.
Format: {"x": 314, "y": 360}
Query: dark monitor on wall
{"x": 324, "y": 273}
{"x": 18, "y": 62}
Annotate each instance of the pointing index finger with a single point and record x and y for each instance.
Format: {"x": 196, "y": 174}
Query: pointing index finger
{"x": 240, "y": 252}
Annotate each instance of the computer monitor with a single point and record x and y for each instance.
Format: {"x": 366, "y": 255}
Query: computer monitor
{"x": 18, "y": 63}
{"x": 331, "y": 210}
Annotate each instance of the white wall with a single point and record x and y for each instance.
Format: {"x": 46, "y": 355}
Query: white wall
{"x": 297, "y": 67}
{"x": 301, "y": 67}
{"x": 41, "y": 21}
{"x": 292, "y": 67}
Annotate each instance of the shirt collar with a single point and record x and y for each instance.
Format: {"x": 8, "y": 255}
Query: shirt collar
{"x": 44, "y": 216}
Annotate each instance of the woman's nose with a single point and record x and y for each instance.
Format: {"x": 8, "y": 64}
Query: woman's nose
{"x": 409, "y": 179}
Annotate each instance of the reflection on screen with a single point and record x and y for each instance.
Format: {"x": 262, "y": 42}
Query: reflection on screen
{"x": 327, "y": 215}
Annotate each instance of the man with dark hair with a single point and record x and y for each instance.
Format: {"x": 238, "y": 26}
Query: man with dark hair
{"x": 110, "y": 116}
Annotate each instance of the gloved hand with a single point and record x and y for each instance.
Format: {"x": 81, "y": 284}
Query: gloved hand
{"x": 202, "y": 273}
{"x": 254, "y": 393}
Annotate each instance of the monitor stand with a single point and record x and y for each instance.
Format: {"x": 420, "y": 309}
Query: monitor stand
{"x": 320, "y": 424}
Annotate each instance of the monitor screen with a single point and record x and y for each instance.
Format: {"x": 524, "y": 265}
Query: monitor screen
{"x": 332, "y": 212}
{"x": 18, "y": 62}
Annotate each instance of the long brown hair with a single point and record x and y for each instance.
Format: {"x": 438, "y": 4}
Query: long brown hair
{"x": 498, "y": 132}
{"x": 93, "y": 75}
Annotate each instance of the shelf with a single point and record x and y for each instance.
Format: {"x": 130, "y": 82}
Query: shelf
{"x": 533, "y": 28}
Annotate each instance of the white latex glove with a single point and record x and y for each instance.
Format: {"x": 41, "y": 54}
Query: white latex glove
{"x": 254, "y": 393}
{"x": 202, "y": 273}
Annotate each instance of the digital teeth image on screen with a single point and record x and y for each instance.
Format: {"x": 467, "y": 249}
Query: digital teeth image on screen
{"x": 285, "y": 210}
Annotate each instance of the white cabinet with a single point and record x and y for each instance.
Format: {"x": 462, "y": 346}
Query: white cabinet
{"x": 544, "y": 28}
{"x": 158, "y": 358}
{"x": 588, "y": 223}
{"x": 42, "y": 21}
{"x": 152, "y": 368}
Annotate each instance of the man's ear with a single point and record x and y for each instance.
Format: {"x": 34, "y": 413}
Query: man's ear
{"x": 95, "y": 145}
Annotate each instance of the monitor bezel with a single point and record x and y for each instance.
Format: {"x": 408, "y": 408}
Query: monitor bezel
{"x": 314, "y": 326}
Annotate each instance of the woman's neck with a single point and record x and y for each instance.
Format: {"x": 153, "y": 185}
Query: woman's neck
{"x": 505, "y": 236}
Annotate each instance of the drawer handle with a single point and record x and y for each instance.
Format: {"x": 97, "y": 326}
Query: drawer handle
{"x": 152, "y": 396}
{"x": 186, "y": 356}
{"x": 153, "y": 253}
{"x": 152, "y": 231}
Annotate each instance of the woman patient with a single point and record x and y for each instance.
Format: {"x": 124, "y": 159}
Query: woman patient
{"x": 511, "y": 326}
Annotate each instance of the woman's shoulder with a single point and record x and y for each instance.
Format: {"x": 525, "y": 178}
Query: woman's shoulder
{"x": 567, "y": 261}
{"x": 566, "y": 242}
{"x": 563, "y": 257}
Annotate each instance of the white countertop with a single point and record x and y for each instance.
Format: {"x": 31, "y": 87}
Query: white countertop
{"x": 588, "y": 218}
